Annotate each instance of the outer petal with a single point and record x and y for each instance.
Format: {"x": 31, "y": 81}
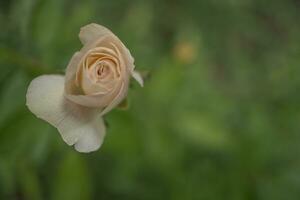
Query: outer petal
{"x": 72, "y": 66}
{"x": 92, "y": 32}
{"x": 120, "y": 96}
{"x": 79, "y": 126}
{"x": 99, "y": 100}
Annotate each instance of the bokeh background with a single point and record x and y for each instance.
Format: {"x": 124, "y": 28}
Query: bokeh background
{"x": 218, "y": 117}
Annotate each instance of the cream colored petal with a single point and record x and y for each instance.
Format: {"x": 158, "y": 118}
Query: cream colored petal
{"x": 85, "y": 130}
{"x": 93, "y": 35}
{"x": 128, "y": 57}
{"x": 90, "y": 87}
{"x": 118, "y": 98}
{"x": 126, "y": 65}
{"x": 99, "y": 100}
{"x": 92, "y": 32}
{"x": 45, "y": 99}
{"x": 91, "y": 83}
{"x": 73, "y": 65}
{"x": 77, "y": 59}
{"x": 79, "y": 126}
{"x": 137, "y": 76}
{"x": 76, "y": 65}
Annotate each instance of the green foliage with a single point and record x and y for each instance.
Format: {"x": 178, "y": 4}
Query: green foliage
{"x": 218, "y": 117}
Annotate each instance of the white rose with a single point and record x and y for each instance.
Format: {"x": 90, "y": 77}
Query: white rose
{"x": 96, "y": 80}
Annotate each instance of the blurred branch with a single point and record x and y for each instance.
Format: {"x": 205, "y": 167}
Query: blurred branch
{"x": 30, "y": 65}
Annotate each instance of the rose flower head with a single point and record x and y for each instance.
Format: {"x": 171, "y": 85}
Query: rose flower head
{"x": 96, "y": 80}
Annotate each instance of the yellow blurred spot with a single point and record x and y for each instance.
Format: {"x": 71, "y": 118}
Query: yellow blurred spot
{"x": 185, "y": 52}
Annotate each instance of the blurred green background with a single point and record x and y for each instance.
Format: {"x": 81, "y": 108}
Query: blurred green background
{"x": 218, "y": 117}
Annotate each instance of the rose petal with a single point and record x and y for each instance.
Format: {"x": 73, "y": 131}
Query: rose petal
{"x": 76, "y": 124}
{"x": 98, "y": 100}
{"x": 92, "y": 32}
{"x": 138, "y": 77}
{"x": 72, "y": 66}
{"x": 86, "y": 134}
{"x": 118, "y": 98}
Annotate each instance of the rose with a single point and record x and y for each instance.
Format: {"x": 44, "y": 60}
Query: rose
{"x": 96, "y": 81}
{"x": 98, "y": 75}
